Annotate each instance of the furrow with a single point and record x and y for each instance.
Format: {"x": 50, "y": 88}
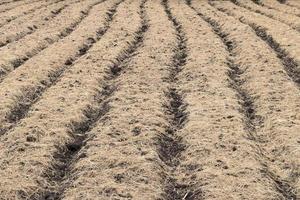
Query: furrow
{"x": 79, "y": 102}
{"x": 18, "y": 52}
{"x": 282, "y": 1}
{"x": 281, "y": 35}
{"x": 216, "y": 152}
{"x": 38, "y": 74}
{"x": 171, "y": 145}
{"x": 101, "y": 63}
{"x": 149, "y": 99}
{"x": 288, "y": 19}
{"x": 66, "y": 156}
{"x": 13, "y": 14}
{"x": 29, "y": 24}
{"x": 128, "y": 131}
{"x": 272, "y": 104}
{"x": 281, "y": 7}
{"x": 8, "y": 2}
{"x": 290, "y": 65}
{"x": 15, "y": 4}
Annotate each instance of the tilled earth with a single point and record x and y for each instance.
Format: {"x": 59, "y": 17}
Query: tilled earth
{"x": 150, "y": 99}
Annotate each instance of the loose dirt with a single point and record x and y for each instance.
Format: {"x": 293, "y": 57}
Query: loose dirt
{"x": 149, "y": 99}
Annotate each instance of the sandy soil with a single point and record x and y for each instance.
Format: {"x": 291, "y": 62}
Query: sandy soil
{"x": 283, "y": 7}
{"x": 289, "y": 19}
{"x": 149, "y": 99}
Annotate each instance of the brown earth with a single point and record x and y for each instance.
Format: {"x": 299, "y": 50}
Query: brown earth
{"x": 150, "y": 99}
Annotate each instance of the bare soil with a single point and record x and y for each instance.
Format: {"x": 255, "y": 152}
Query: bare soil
{"x": 150, "y": 99}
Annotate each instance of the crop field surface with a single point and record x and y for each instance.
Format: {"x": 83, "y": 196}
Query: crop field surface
{"x": 150, "y": 99}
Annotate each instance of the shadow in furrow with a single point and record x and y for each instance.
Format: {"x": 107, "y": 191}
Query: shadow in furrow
{"x": 26, "y": 101}
{"x": 282, "y": 1}
{"x": 263, "y": 13}
{"x": 16, "y": 6}
{"x": 24, "y": 13}
{"x": 170, "y": 144}
{"x": 66, "y": 32}
{"x": 60, "y": 173}
{"x": 290, "y": 65}
{"x": 7, "y": 2}
{"x": 252, "y": 121}
{"x": 32, "y": 29}
{"x": 258, "y": 2}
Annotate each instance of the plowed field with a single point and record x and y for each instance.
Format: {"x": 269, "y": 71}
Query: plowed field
{"x": 150, "y": 99}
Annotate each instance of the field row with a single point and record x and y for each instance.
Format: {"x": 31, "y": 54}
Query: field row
{"x": 127, "y": 99}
